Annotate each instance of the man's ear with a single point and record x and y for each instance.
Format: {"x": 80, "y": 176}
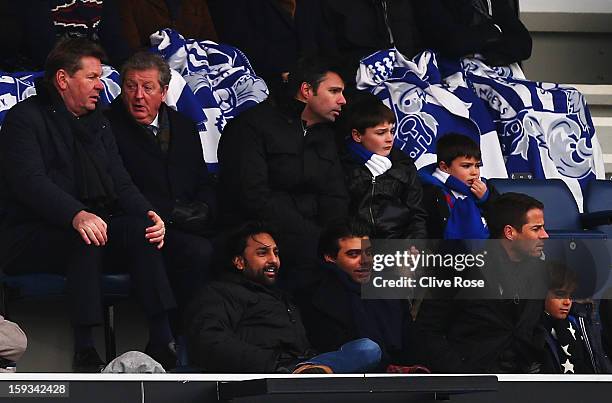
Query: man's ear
{"x": 329, "y": 259}
{"x": 164, "y": 92}
{"x": 61, "y": 79}
{"x": 356, "y": 136}
{"x": 305, "y": 90}
{"x": 238, "y": 262}
{"x": 509, "y": 232}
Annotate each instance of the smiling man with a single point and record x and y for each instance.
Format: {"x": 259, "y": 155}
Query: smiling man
{"x": 333, "y": 309}
{"x": 162, "y": 152}
{"x": 68, "y": 202}
{"x": 244, "y": 323}
{"x": 279, "y": 162}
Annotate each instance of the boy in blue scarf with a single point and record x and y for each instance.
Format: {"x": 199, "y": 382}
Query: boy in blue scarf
{"x": 454, "y": 194}
{"x": 382, "y": 181}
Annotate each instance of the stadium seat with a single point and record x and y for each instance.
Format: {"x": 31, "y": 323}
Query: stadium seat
{"x": 598, "y": 206}
{"x": 115, "y": 287}
{"x": 561, "y": 215}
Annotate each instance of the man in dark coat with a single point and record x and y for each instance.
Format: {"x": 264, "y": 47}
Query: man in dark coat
{"x": 162, "y": 152}
{"x": 244, "y": 323}
{"x": 494, "y": 329}
{"x": 68, "y": 201}
{"x": 490, "y": 28}
{"x": 280, "y": 164}
{"x": 272, "y": 33}
{"x": 333, "y": 309}
{"x": 141, "y": 18}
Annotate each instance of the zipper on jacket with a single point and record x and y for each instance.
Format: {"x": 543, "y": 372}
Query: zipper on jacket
{"x": 587, "y": 342}
{"x": 372, "y": 201}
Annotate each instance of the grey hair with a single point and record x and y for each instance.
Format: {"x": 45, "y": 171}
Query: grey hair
{"x": 146, "y": 60}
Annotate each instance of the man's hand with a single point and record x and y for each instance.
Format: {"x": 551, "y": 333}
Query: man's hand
{"x": 156, "y": 232}
{"x": 91, "y": 228}
{"x": 478, "y": 188}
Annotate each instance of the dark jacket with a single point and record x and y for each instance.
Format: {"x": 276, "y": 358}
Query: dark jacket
{"x": 271, "y": 171}
{"x": 392, "y": 202}
{"x": 438, "y": 210}
{"x": 98, "y": 22}
{"x": 591, "y": 355}
{"x": 267, "y": 33}
{"x": 141, "y": 18}
{"x": 357, "y": 28}
{"x": 163, "y": 178}
{"x": 493, "y": 335}
{"x": 236, "y": 325}
{"x": 37, "y": 164}
{"x": 454, "y": 28}
{"x": 334, "y": 313}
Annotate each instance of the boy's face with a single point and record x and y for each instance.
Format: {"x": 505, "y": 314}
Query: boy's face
{"x": 466, "y": 169}
{"x": 377, "y": 139}
{"x": 558, "y": 303}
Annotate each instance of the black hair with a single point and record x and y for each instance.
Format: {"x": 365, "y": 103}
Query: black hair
{"x": 561, "y": 277}
{"x": 236, "y": 240}
{"x": 510, "y": 209}
{"x": 367, "y": 111}
{"x": 311, "y": 69}
{"x": 329, "y": 241}
{"x": 452, "y": 145}
{"x": 67, "y": 55}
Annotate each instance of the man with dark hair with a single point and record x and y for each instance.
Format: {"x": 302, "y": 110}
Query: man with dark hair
{"x": 162, "y": 152}
{"x": 279, "y": 162}
{"x": 68, "y": 202}
{"x": 495, "y": 329}
{"x": 333, "y": 309}
{"x": 243, "y": 323}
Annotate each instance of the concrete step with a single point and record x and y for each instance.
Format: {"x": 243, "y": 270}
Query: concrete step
{"x": 598, "y": 97}
{"x": 603, "y": 128}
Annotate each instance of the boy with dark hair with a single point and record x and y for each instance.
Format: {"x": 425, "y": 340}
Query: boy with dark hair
{"x": 570, "y": 332}
{"x": 455, "y": 196}
{"x": 382, "y": 181}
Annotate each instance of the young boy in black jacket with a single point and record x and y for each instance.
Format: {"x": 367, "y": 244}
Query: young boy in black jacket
{"x": 454, "y": 195}
{"x": 382, "y": 181}
{"x": 571, "y": 336}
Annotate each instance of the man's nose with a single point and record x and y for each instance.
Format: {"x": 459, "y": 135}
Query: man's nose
{"x": 543, "y": 234}
{"x": 139, "y": 93}
{"x": 341, "y": 100}
{"x": 99, "y": 85}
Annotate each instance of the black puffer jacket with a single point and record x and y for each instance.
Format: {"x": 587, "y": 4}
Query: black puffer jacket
{"x": 236, "y": 325}
{"x": 391, "y": 202}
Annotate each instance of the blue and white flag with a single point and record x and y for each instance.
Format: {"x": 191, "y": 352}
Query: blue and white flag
{"x": 15, "y": 87}
{"x": 426, "y": 107}
{"x": 220, "y": 78}
{"x": 545, "y": 129}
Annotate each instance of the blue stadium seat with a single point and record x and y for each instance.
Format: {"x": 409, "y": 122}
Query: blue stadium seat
{"x": 598, "y": 206}
{"x": 561, "y": 215}
{"x": 115, "y": 287}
